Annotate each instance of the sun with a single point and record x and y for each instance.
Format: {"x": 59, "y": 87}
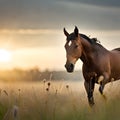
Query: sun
{"x": 5, "y": 55}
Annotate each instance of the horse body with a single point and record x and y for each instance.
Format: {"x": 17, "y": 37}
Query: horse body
{"x": 103, "y": 62}
{"x": 99, "y": 64}
{"x": 115, "y": 64}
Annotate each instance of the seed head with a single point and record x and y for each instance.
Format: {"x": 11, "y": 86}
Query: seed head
{"x": 44, "y": 81}
{"x": 15, "y": 111}
{"x": 19, "y": 90}
{"x": 67, "y": 86}
{"x": 49, "y": 84}
{"x": 47, "y": 89}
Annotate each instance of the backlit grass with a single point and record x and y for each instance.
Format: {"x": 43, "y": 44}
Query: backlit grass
{"x": 49, "y": 100}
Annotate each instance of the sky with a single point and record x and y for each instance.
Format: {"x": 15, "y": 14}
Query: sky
{"x": 32, "y": 30}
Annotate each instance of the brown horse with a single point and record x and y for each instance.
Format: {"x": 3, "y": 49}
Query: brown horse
{"x": 99, "y": 64}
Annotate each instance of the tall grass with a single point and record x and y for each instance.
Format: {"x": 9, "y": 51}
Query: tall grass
{"x": 48, "y": 100}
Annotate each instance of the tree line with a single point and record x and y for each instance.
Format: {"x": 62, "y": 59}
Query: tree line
{"x": 35, "y": 74}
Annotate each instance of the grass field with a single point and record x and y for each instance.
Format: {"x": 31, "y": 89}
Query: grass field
{"x": 63, "y": 100}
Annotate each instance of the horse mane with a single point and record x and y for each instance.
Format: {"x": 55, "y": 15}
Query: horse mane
{"x": 91, "y": 40}
{"x": 118, "y": 49}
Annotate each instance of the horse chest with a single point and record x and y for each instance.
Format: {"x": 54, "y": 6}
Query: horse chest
{"x": 89, "y": 72}
{"x": 94, "y": 70}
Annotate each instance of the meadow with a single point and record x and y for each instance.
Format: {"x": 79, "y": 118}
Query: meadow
{"x": 57, "y": 100}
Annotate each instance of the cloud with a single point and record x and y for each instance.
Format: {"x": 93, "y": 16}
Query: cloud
{"x": 27, "y": 13}
{"x": 29, "y": 38}
{"x": 29, "y": 31}
{"x": 105, "y": 3}
{"x": 56, "y": 14}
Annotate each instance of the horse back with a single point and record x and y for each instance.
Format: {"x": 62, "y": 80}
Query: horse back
{"x": 115, "y": 63}
{"x": 118, "y": 49}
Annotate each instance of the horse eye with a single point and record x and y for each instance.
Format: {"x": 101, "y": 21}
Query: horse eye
{"x": 76, "y": 46}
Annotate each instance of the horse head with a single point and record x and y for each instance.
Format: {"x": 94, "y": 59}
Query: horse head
{"x": 73, "y": 49}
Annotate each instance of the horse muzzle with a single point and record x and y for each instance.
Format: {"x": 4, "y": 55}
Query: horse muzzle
{"x": 69, "y": 67}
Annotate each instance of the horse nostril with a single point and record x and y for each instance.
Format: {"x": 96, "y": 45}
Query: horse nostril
{"x": 71, "y": 66}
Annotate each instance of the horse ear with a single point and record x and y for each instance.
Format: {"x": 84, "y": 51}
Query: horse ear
{"x": 76, "y": 31}
{"x": 65, "y": 32}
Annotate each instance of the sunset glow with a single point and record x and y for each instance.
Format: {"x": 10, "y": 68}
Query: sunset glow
{"x": 32, "y": 33}
{"x": 5, "y": 56}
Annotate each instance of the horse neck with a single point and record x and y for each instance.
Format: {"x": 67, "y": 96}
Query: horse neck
{"x": 87, "y": 52}
{"x": 91, "y": 51}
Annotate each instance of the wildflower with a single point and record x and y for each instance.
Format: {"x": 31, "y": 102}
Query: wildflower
{"x": 49, "y": 84}
{"x": 67, "y": 86}
{"x": 44, "y": 81}
{"x": 15, "y": 111}
{"x": 47, "y": 89}
{"x": 19, "y": 90}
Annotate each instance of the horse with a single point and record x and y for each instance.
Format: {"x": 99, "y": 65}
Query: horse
{"x": 100, "y": 65}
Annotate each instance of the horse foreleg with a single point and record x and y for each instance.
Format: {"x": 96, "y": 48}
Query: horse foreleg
{"x": 102, "y": 80}
{"x": 101, "y": 88}
{"x": 101, "y": 92}
{"x": 89, "y": 86}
